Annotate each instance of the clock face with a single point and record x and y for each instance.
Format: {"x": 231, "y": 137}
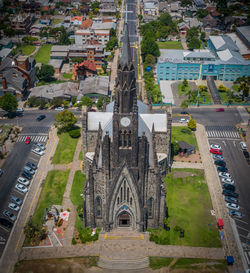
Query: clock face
{"x": 125, "y": 121}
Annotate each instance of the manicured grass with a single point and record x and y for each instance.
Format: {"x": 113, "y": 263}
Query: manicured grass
{"x": 195, "y": 263}
{"x": 77, "y": 188}
{"x": 43, "y": 54}
{"x": 27, "y": 49}
{"x": 224, "y": 96}
{"x": 80, "y": 156}
{"x": 179, "y": 135}
{"x": 52, "y": 193}
{"x": 180, "y": 92}
{"x": 170, "y": 45}
{"x": 189, "y": 206}
{"x": 158, "y": 262}
{"x": 67, "y": 76}
{"x": 65, "y": 149}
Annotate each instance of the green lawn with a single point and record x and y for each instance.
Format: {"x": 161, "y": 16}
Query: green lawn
{"x": 27, "y": 49}
{"x": 224, "y": 96}
{"x": 180, "y": 92}
{"x": 77, "y": 188}
{"x": 67, "y": 76}
{"x": 56, "y": 21}
{"x": 65, "y": 149}
{"x": 189, "y": 206}
{"x": 170, "y": 45}
{"x": 158, "y": 262}
{"x": 52, "y": 193}
{"x": 80, "y": 156}
{"x": 43, "y": 54}
{"x": 178, "y": 134}
{"x": 55, "y": 81}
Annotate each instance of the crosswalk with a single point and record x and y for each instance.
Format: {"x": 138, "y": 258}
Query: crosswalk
{"x": 225, "y": 132}
{"x": 36, "y": 138}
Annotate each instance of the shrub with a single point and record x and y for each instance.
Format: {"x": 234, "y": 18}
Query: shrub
{"x": 177, "y": 228}
{"x": 73, "y": 241}
{"x": 192, "y": 124}
{"x": 75, "y": 133}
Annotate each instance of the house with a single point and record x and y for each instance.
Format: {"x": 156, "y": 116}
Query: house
{"x": 21, "y": 22}
{"x": 59, "y": 52}
{"x": 57, "y": 64}
{"x": 213, "y": 12}
{"x": 86, "y": 24}
{"x": 174, "y": 7}
{"x": 5, "y": 52}
{"x": 150, "y": 8}
{"x": 199, "y": 3}
{"x": 76, "y": 20}
{"x": 183, "y": 27}
{"x": 84, "y": 9}
{"x": 45, "y": 21}
{"x": 163, "y": 7}
{"x": 210, "y": 22}
{"x": 192, "y": 22}
{"x": 185, "y": 148}
{"x": 64, "y": 91}
{"x": 86, "y": 35}
{"x": 6, "y": 43}
{"x": 84, "y": 69}
{"x": 35, "y": 29}
{"x": 175, "y": 16}
{"x": 94, "y": 87}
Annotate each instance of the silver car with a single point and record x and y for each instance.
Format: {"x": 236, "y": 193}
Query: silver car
{"x": 23, "y": 181}
{"x": 13, "y": 206}
{"x": 9, "y": 215}
{"x": 21, "y": 188}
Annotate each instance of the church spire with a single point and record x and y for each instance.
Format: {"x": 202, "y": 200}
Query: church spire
{"x": 126, "y": 52}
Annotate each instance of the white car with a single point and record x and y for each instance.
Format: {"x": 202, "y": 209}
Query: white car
{"x": 59, "y": 108}
{"x": 13, "y": 207}
{"x": 21, "y": 188}
{"x": 215, "y": 146}
{"x": 23, "y": 181}
{"x": 227, "y": 180}
{"x": 40, "y": 146}
{"x": 232, "y": 206}
{"x": 38, "y": 151}
{"x": 225, "y": 175}
{"x": 243, "y": 145}
{"x": 184, "y": 120}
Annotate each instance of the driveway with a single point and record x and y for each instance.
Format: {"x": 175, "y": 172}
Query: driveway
{"x": 166, "y": 91}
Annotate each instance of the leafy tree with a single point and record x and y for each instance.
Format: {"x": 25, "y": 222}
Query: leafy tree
{"x": 186, "y": 3}
{"x": 201, "y": 13}
{"x": 184, "y": 104}
{"x": 100, "y": 102}
{"x": 46, "y": 72}
{"x": 194, "y": 43}
{"x": 9, "y": 32}
{"x": 104, "y": 67}
{"x": 222, "y": 88}
{"x": 150, "y": 60}
{"x": 165, "y": 19}
{"x": 112, "y": 33}
{"x": 149, "y": 46}
{"x": 191, "y": 33}
{"x": 94, "y": 5}
{"x": 112, "y": 43}
{"x": 64, "y": 39}
{"x": 175, "y": 147}
{"x": 65, "y": 120}
{"x": 29, "y": 39}
{"x": 203, "y": 36}
{"x": 192, "y": 124}
{"x": 56, "y": 102}
{"x": 185, "y": 83}
{"x": 244, "y": 89}
{"x": 42, "y": 104}
{"x": 202, "y": 89}
{"x": 8, "y": 102}
{"x": 85, "y": 100}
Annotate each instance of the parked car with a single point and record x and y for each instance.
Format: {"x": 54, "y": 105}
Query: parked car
{"x": 26, "y": 175}
{"x": 235, "y": 213}
{"x": 215, "y": 146}
{"x": 184, "y": 120}
{"x": 40, "y": 146}
{"x": 220, "y": 163}
{"x": 243, "y": 145}
{"x": 16, "y": 200}
{"x": 27, "y": 140}
{"x": 216, "y": 151}
{"x": 232, "y": 206}
{"x": 59, "y": 108}
{"x": 23, "y": 181}
{"x": 230, "y": 199}
{"x": 6, "y": 223}
{"x": 41, "y": 117}
{"x": 225, "y": 175}
{"x": 184, "y": 113}
{"x": 222, "y": 169}
{"x": 31, "y": 165}
{"x": 220, "y": 109}
{"x": 19, "y": 110}
{"x": 1, "y": 172}
{"x": 9, "y": 215}
{"x": 21, "y": 188}
{"x": 246, "y": 154}
{"x": 228, "y": 187}
{"x": 230, "y": 193}
{"x": 227, "y": 180}
{"x": 38, "y": 151}
{"x": 218, "y": 157}
{"x": 29, "y": 170}
{"x": 13, "y": 206}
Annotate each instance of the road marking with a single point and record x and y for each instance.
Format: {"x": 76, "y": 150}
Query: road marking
{"x": 241, "y": 221}
{"x": 224, "y": 142}
{"x": 234, "y": 143}
{"x": 246, "y": 257}
{"x": 4, "y": 228}
{"x": 243, "y": 228}
{"x": 243, "y": 236}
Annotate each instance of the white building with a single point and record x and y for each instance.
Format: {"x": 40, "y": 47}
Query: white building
{"x": 85, "y": 35}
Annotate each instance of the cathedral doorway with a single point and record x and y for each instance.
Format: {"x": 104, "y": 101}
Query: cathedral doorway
{"x": 124, "y": 219}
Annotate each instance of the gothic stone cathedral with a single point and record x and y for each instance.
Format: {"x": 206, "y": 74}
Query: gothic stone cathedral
{"x": 126, "y": 154}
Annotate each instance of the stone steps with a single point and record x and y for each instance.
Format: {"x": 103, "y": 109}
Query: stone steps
{"x": 119, "y": 264}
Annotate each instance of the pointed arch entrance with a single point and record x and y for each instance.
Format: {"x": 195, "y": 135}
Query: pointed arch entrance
{"x": 124, "y": 219}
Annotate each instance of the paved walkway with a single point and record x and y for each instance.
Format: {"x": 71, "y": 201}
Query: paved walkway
{"x": 178, "y": 164}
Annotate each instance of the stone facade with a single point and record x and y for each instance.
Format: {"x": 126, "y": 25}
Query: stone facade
{"x": 126, "y": 154}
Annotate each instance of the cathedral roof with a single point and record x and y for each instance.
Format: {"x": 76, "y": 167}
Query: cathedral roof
{"x": 126, "y": 51}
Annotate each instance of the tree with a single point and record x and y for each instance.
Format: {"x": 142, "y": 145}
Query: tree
{"x": 194, "y": 43}
{"x": 100, "y": 102}
{"x": 191, "y": 33}
{"x": 192, "y": 124}
{"x": 8, "y": 102}
{"x": 203, "y": 36}
{"x": 56, "y": 102}
{"x": 46, "y": 72}
{"x": 185, "y": 83}
{"x": 186, "y": 3}
{"x": 85, "y": 100}
{"x": 184, "y": 104}
{"x": 65, "y": 120}
{"x": 64, "y": 39}
{"x": 201, "y": 13}
{"x": 165, "y": 19}
{"x": 112, "y": 33}
{"x": 149, "y": 46}
{"x": 112, "y": 43}
{"x": 150, "y": 60}
{"x": 175, "y": 147}
{"x": 244, "y": 89}
{"x": 222, "y": 88}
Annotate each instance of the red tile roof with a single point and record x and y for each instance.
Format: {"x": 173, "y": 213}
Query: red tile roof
{"x": 87, "y": 64}
{"x": 86, "y": 24}
{"x": 78, "y": 18}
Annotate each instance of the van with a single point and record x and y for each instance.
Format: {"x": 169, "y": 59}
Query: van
{"x": 243, "y": 145}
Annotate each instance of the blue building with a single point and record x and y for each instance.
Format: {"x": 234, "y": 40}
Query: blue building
{"x": 221, "y": 60}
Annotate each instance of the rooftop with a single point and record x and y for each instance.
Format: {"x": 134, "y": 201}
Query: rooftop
{"x": 223, "y": 42}
{"x": 245, "y": 31}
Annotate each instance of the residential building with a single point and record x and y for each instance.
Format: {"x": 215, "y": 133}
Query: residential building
{"x": 150, "y": 8}
{"x": 84, "y": 36}
{"x": 59, "y": 52}
{"x": 84, "y": 69}
{"x": 6, "y": 43}
{"x": 244, "y": 34}
{"x": 222, "y": 61}
{"x": 21, "y": 22}
{"x": 126, "y": 154}
{"x": 76, "y": 20}
{"x": 210, "y": 22}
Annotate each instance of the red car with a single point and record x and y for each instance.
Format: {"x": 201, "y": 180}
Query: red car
{"x": 220, "y": 110}
{"x": 216, "y": 151}
{"x": 27, "y": 140}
